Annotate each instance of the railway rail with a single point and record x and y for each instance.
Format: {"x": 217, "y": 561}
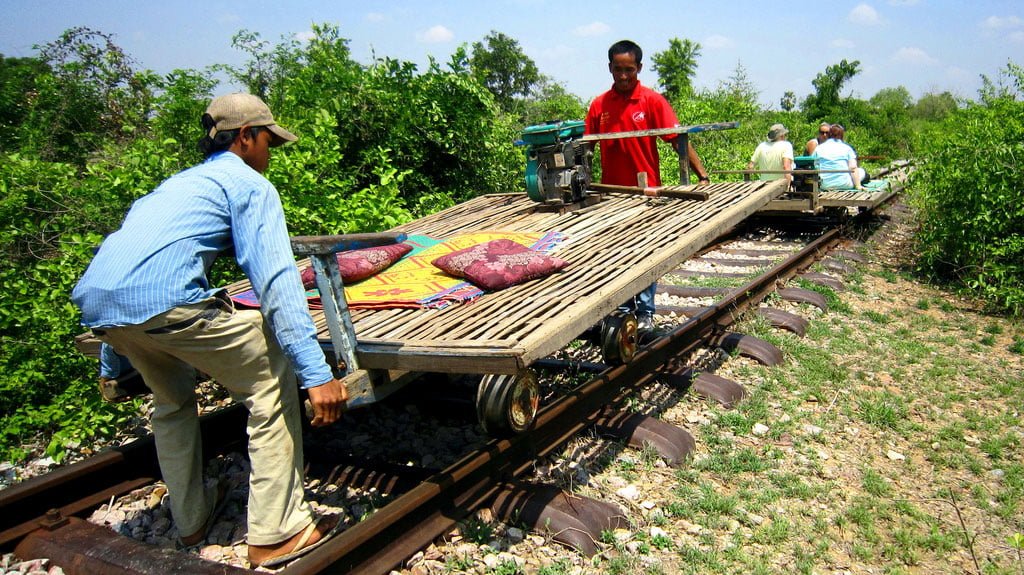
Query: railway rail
{"x": 43, "y": 517}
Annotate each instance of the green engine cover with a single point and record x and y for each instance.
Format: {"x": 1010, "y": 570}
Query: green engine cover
{"x": 552, "y": 133}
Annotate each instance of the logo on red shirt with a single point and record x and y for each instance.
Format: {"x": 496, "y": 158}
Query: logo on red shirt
{"x": 638, "y": 116}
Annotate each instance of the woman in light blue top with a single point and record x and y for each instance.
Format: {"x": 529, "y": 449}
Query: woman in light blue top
{"x": 834, "y": 154}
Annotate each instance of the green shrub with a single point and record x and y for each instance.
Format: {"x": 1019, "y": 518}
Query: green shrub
{"x": 969, "y": 189}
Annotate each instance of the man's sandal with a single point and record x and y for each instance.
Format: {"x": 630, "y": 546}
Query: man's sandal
{"x": 223, "y": 490}
{"x": 302, "y": 545}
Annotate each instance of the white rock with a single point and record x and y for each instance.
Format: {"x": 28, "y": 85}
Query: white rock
{"x": 622, "y": 535}
{"x": 648, "y": 504}
{"x": 760, "y": 429}
{"x": 515, "y": 534}
{"x": 691, "y": 528}
{"x": 628, "y": 492}
{"x": 895, "y": 455}
{"x": 212, "y": 552}
{"x": 812, "y": 429}
{"x": 616, "y": 481}
{"x": 506, "y": 557}
{"x": 658, "y": 532}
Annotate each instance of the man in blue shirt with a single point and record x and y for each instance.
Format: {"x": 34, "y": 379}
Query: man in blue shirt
{"x": 146, "y": 295}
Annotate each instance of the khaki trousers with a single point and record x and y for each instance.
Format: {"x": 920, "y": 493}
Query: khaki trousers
{"x": 237, "y": 349}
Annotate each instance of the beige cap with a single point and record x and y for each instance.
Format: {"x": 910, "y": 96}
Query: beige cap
{"x": 233, "y": 111}
{"x": 777, "y": 131}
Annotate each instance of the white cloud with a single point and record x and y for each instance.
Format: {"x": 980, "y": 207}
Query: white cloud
{"x": 376, "y": 17}
{"x": 1016, "y": 37}
{"x": 718, "y": 41}
{"x": 864, "y": 14}
{"x": 915, "y": 56}
{"x": 1002, "y": 22}
{"x": 903, "y": 2}
{"x": 305, "y": 36}
{"x": 842, "y": 43}
{"x": 435, "y": 35}
{"x": 592, "y": 29}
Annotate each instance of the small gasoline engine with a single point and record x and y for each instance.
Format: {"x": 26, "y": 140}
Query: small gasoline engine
{"x": 807, "y": 183}
{"x": 558, "y": 163}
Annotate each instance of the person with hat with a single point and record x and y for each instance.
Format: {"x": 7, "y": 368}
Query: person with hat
{"x": 773, "y": 155}
{"x": 146, "y": 295}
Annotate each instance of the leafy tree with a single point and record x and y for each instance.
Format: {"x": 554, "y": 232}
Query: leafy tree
{"x": 826, "y": 102}
{"x": 267, "y": 66}
{"x": 91, "y": 93}
{"x": 788, "y": 101}
{"x": 17, "y": 85}
{"x": 890, "y": 119}
{"x": 500, "y": 64}
{"x": 550, "y": 102}
{"x": 739, "y": 86}
{"x": 181, "y": 100}
{"x": 933, "y": 107}
{"x": 1008, "y": 84}
{"x": 676, "y": 67}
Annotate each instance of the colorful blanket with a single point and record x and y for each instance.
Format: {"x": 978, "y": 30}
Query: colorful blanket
{"x": 413, "y": 282}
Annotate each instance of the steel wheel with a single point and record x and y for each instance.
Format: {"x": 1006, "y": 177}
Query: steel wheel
{"x": 507, "y": 404}
{"x": 619, "y": 338}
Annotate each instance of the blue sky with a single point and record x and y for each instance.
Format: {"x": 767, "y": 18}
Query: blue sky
{"x": 923, "y": 45}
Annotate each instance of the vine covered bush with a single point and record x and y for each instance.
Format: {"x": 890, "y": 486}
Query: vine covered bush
{"x": 969, "y": 192}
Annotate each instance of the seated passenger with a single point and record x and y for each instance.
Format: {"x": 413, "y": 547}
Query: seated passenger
{"x": 821, "y": 137}
{"x": 835, "y": 154}
{"x": 773, "y": 155}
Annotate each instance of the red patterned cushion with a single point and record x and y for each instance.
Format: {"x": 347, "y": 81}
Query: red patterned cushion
{"x": 360, "y": 264}
{"x": 498, "y": 264}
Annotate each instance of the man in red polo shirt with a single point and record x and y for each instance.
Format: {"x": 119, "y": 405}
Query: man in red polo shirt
{"x": 626, "y": 107}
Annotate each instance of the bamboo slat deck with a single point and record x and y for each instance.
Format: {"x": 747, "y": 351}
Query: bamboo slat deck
{"x": 854, "y": 198}
{"x": 615, "y": 248}
{"x": 817, "y": 201}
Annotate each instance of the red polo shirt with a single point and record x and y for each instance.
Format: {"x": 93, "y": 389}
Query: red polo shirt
{"x": 622, "y": 159}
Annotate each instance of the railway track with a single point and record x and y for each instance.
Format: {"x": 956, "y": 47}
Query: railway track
{"x": 43, "y": 517}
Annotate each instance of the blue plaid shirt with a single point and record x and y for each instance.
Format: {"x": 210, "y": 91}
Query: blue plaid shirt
{"x": 160, "y": 257}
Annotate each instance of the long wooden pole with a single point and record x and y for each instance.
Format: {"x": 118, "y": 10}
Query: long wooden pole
{"x": 656, "y": 192}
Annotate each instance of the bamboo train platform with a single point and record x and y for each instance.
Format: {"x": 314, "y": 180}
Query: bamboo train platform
{"x": 808, "y": 198}
{"x": 855, "y": 199}
{"x": 615, "y": 248}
